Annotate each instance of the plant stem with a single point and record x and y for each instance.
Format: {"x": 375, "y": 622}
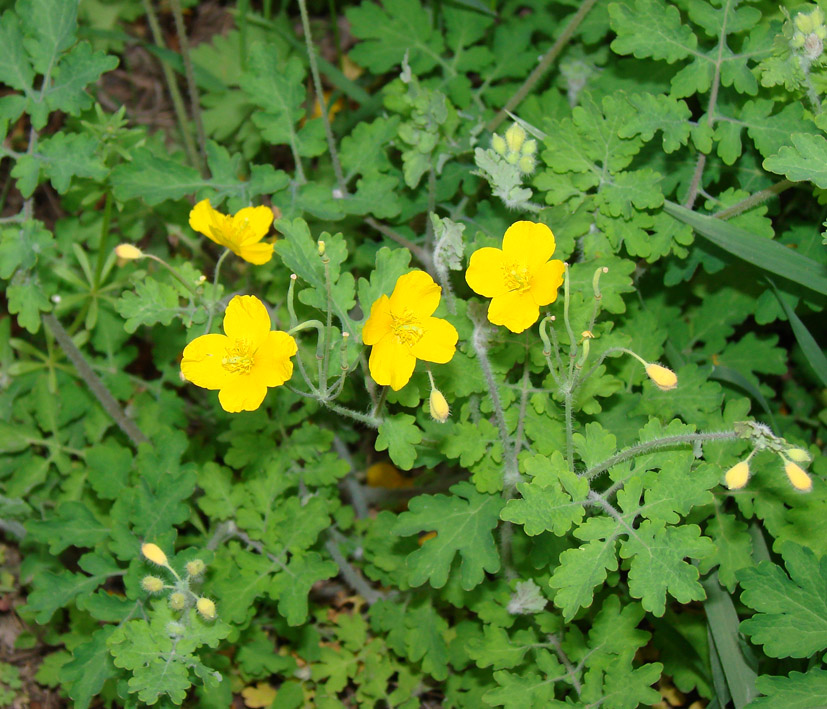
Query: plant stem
{"x": 178, "y": 276}
{"x": 174, "y": 93}
{"x": 421, "y": 254}
{"x": 317, "y": 83}
{"x": 694, "y": 186}
{"x": 351, "y": 576}
{"x": 192, "y": 87}
{"x": 543, "y": 66}
{"x": 642, "y": 448}
{"x": 102, "y": 250}
{"x": 215, "y": 289}
{"x": 753, "y": 200}
{"x": 93, "y": 381}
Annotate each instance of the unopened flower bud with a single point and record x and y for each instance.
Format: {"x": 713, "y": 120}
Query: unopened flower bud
{"x": 512, "y": 158}
{"x": 175, "y": 629}
{"x": 498, "y": 143}
{"x": 799, "y": 479}
{"x": 813, "y": 46}
{"x": 526, "y": 164}
{"x": 799, "y": 455}
{"x": 804, "y": 22}
{"x": 195, "y": 567}
{"x": 663, "y": 377}
{"x": 529, "y": 147}
{"x": 177, "y": 601}
{"x": 128, "y": 252}
{"x": 440, "y": 411}
{"x": 154, "y": 554}
{"x": 206, "y": 608}
{"x": 152, "y": 584}
{"x": 321, "y": 247}
{"x": 737, "y": 476}
{"x": 515, "y": 137}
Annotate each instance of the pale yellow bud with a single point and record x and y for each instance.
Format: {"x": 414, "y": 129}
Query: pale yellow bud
{"x": 321, "y": 248}
{"x": 177, "y": 601}
{"x": 128, "y": 252}
{"x": 206, "y": 608}
{"x": 154, "y": 554}
{"x": 799, "y": 479}
{"x": 152, "y": 584}
{"x": 804, "y": 22}
{"x": 799, "y": 455}
{"x": 529, "y": 147}
{"x": 663, "y": 377}
{"x": 515, "y": 137}
{"x": 526, "y": 164}
{"x": 440, "y": 411}
{"x": 498, "y": 143}
{"x": 175, "y": 629}
{"x": 195, "y": 567}
{"x": 736, "y": 477}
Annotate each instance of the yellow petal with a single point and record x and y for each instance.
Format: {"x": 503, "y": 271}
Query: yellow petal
{"x": 246, "y": 318}
{"x": 201, "y": 363}
{"x": 386, "y": 475}
{"x": 737, "y": 476}
{"x": 516, "y": 311}
{"x": 416, "y": 292}
{"x": 272, "y": 366}
{"x": 257, "y": 254}
{"x": 528, "y": 243}
{"x": 663, "y": 377}
{"x": 485, "y": 272}
{"x": 251, "y": 224}
{"x": 379, "y": 323}
{"x": 438, "y": 406}
{"x": 243, "y": 392}
{"x": 208, "y": 221}
{"x": 154, "y": 553}
{"x": 391, "y": 363}
{"x": 547, "y": 279}
{"x": 438, "y": 342}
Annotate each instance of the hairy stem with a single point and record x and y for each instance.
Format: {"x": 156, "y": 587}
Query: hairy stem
{"x": 350, "y": 574}
{"x": 543, "y": 66}
{"x": 93, "y": 381}
{"x": 421, "y": 254}
{"x": 754, "y": 200}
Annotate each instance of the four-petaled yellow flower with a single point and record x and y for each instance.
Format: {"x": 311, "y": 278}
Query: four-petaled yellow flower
{"x": 241, "y": 233}
{"x": 519, "y": 278}
{"x": 401, "y": 330}
{"x": 245, "y": 361}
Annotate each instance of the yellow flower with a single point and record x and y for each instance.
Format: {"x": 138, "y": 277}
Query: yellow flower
{"x": 401, "y": 330}
{"x": 663, "y": 377}
{"x": 797, "y": 476}
{"x": 245, "y": 361}
{"x": 242, "y": 233}
{"x": 519, "y": 278}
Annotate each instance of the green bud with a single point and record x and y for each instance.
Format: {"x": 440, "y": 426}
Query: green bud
{"x": 526, "y": 164}
{"x": 498, "y": 143}
{"x": 797, "y": 42}
{"x": 529, "y": 147}
{"x": 175, "y": 629}
{"x": 177, "y": 601}
{"x": 196, "y": 566}
{"x": 512, "y": 158}
{"x": 803, "y": 23}
{"x": 798, "y": 455}
{"x": 152, "y": 584}
{"x": 514, "y": 137}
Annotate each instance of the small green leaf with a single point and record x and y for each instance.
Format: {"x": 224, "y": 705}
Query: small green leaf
{"x": 806, "y": 159}
{"x": 152, "y": 302}
{"x": 399, "y": 435}
{"x": 73, "y": 524}
{"x": 90, "y": 667}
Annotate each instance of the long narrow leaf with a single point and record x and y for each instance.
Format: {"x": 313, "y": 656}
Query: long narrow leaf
{"x": 723, "y": 624}
{"x": 813, "y": 353}
{"x": 764, "y": 253}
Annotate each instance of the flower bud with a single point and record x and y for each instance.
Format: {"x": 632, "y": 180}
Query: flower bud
{"x": 799, "y": 455}
{"x": 152, "y": 584}
{"x": 128, "y": 252}
{"x": 663, "y": 377}
{"x": 321, "y": 247}
{"x": 498, "y": 143}
{"x": 175, "y": 629}
{"x": 799, "y": 479}
{"x": 195, "y": 567}
{"x": 154, "y": 554}
{"x": 526, "y": 164}
{"x": 440, "y": 411}
{"x": 804, "y": 22}
{"x": 515, "y": 137}
{"x": 736, "y": 477}
{"x": 529, "y": 147}
{"x": 206, "y": 608}
{"x": 177, "y": 601}
{"x": 512, "y": 158}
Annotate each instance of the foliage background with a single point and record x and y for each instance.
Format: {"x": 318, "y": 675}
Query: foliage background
{"x": 681, "y": 145}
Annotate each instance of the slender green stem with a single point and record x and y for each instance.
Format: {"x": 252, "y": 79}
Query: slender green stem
{"x": 93, "y": 381}
{"x": 647, "y": 446}
{"x": 214, "y": 299}
{"x": 306, "y": 325}
{"x": 192, "y": 87}
{"x": 567, "y": 406}
{"x": 174, "y": 93}
{"x": 543, "y": 66}
{"x": 317, "y": 83}
{"x": 421, "y": 254}
{"x": 328, "y": 331}
{"x": 753, "y": 200}
{"x": 175, "y": 273}
{"x": 366, "y": 419}
{"x": 383, "y": 395}
{"x": 102, "y": 245}
{"x": 350, "y": 574}
{"x": 243, "y": 10}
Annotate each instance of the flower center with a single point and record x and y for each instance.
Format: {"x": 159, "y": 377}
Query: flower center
{"x": 517, "y": 278}
{"x": 239, "y": 359}
{"x": 407, "y": 328}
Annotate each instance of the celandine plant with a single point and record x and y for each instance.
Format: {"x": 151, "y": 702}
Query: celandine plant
{"x": 348, "y": 394}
